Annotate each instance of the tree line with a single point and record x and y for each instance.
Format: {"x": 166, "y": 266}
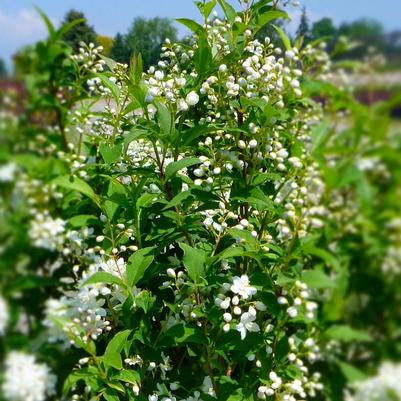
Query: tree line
{"x": 146, "y": 36}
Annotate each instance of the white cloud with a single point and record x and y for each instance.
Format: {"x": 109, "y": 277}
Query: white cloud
{"x": 20, "y": 28}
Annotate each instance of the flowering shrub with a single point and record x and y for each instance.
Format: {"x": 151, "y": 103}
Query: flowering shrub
{"x": 187, "y": 233}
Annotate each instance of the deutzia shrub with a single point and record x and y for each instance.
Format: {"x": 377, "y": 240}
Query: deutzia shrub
{"x": 203, "y": 184}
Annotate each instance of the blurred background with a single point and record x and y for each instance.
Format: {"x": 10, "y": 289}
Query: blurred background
{"x": 126, "y": 26}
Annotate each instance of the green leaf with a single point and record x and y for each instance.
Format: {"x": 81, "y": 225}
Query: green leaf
{"x": 347, "y": 334}
{"x": 114, "y": 89}
{"x": 136, "y": 68}
{"x": 116, "y": 197}
{"x": 268, "y": 16}
{"x": 206, "y": 8}
{"x": 103, "y": 277}
{"x": 110, "y": 154}
{"x": 179, "y": 334}
{"x": 261, "y": 178}
{"x": 145, "y": 200}
{"x": 82, "y": 220}
{"x": 112, "y": 355}
{"x": 320, "y": 135}
{"x": 109, "y": 62}
{"x": 145, "y": 300}
{"x": 193, "y": 133}
{"x": 111, "y": 395}
{"x": 194, "y": 262}
{"x": 326, "y": 256}
{"x": 228, "y": 10}
{"x": 173, "y": 167}
{"x": 241, "y": 395}
{"x": 128, "y": 376}
{"x": 137, "y": 265}
{"x": 48, "y": 23}
{"x": 67, "y": 27}
{"x": 203, "y": 55}
{"x": 317, "y": 278}
{"x": 351, "y": 372}
{"x": 192, "y": 25}
{"x": 76, "y": 184}
{"x": 178, "y": 199}
{"x": 284, "y": 38}
{"x": 164, "y": 118}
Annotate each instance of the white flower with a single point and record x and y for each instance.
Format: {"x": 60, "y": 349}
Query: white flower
{"x": 7, "y": 172}
{"x": 253, "y": 143}
{"x": 247, "y": 322}
{"x": 385, "y": 386}
{"x": 46, "y": 232}
{"x": 192, "y": 98}
{"x": 27, "y": 380}
{"x": 4, "y": 315}
{"x": 241, "y": 287}
{"x": 116, "y": 267}
{"x": 292, "y": 311}
{"x": 207, "y": 386}
{"x": 182, "y": 105}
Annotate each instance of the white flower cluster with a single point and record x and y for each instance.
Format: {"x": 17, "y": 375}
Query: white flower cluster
{"x": 4, "y": 316}
{"x": 297, "y": 298}
{"x": 46, "y": 232}
{"x": 88, "y": 57}
{"x": 77, "y": 316}
{"x": 232, "y": 305}
{"x": 166, "y": 394}
{"x": 294, "y": 390}
{"x": 36, "y": 192}
{"x": 27, "y": 380}
{"x": 385, "y": 386}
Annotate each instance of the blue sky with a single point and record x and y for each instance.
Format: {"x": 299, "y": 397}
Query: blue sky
{"x": 21, "y": 25}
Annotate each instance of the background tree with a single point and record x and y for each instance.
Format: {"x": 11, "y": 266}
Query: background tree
{"x": 82, "y": 32}
{"x": 366, "y": 31}
{"x": 323, "y": 27}
{"x": 3, "y": 68}
{"x": 120, "y": 51}
{"x": 106, "y": 42}
{"x": 304, "y": 28}
{"x": 147, "y": 36}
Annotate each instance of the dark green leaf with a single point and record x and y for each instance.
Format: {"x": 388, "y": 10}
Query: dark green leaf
{"x": 347, "y": 334}
{"x": 137, "y": 265}
{"x": 173, "y": 167}
{"x": 194, "y": 262}
{"x": 110, "y": 154}
{"x": 103, "y": 277}
{"x": 284, "y": 38}
{"x": 112, "y": 355}
{"x": 192, "y": 25}
{"x": 76, "y": 184}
